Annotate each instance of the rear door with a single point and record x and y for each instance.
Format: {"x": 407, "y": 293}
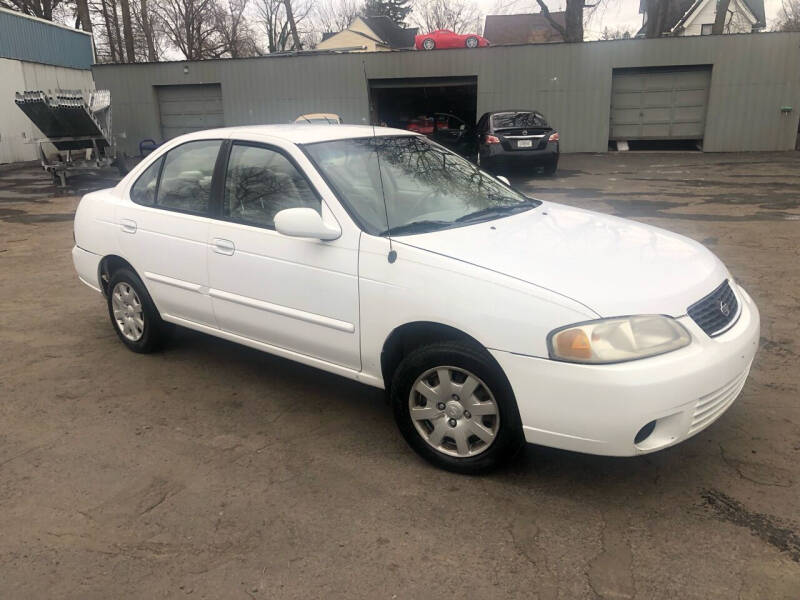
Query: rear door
{"x": 297, "y": 294}
{"x": 163, "y": 228}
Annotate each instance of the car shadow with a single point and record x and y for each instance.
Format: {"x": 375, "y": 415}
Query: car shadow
{"x": 559, "y": 472}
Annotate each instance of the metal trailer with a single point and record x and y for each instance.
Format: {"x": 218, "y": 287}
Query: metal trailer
{"x": 79, "y": 126}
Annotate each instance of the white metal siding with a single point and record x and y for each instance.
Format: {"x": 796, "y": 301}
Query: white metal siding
{"x": 18, "y": 135}
{"x": 659, "y": 104}
{"x": 740, "y": 19}
{"x": 187, "y": 108}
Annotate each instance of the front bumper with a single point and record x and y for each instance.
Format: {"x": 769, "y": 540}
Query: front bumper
{"x": 598, "y": 409}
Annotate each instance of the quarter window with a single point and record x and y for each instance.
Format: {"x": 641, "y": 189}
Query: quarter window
{"x": 260, "y": 183}
{"x": 144, "y": 190}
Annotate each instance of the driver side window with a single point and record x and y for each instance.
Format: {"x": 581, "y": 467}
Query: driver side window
{"x": 261, "y": 182}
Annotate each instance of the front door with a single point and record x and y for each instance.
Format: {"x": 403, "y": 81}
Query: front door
{"x": 294, "y": 293}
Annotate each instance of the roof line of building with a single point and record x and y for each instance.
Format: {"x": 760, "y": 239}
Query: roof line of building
{"x": 332, "y": 52}
{"x": 16, "y": 13}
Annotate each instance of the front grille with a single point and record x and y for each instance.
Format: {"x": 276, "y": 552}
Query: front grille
{"x": 712, "y": 405}
{"x": 716, "y": 312}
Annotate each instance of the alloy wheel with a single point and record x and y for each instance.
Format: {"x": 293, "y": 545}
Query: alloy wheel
{"x": 454, "y": 411}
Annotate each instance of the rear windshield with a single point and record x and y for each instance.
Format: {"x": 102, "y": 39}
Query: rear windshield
{"x": 512, "y": 120}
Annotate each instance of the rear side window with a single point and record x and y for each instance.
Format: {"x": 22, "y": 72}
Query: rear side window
{"x": 181, "y": 180}
{"x": 186, "y": 177}
{"x": 260, "y": 183}
{"x": 144, "y": 190}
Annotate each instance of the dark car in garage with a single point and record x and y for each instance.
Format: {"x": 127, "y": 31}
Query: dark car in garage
{"x": 515, "y": 138}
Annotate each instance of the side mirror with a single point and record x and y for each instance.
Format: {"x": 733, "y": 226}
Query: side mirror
{"x": 305, "y": 223}
{"x": 500, "y": 177}
{"x": 462, "y": 127}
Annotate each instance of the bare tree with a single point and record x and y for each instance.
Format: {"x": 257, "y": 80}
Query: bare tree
{"x": 147, "y": 24}
{"x": 572, "y": 30}
{"x": 661, "y": 15}
{"x": 292, "y": 24}
{"x": 44, "y": 9}
{"x": 127, "y": 28}
{"x": 275, "y": 22}
{"x": 334, "y": 15}
{"x": 721, "y": 17}
{"x": 234, "y": 31}
{"x": 460, "y": 16}
{"x": 615, "y": 34}
{"x": 192, "y": 26}
{"x": 789, "y": 18}
{"x": 82, "y": 13}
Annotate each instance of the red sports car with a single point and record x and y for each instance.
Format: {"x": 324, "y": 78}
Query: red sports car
{"x": 444, "y": 38}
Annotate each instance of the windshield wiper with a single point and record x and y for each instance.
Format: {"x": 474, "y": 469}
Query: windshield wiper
{"x": 417, "y": 227}
{"x": 499, "y": 210}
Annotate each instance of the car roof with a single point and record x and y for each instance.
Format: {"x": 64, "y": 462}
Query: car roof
{"x": 317, "y": 116}
{"x": 299, "y": 133}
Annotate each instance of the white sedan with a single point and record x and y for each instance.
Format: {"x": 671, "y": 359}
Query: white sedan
{"x": 491, "y": 318}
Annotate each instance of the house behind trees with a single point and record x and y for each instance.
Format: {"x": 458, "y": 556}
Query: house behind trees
{"x": 696, "y": 17}
{"x": 522, "y": 29}
{"x": 369, "y": 34}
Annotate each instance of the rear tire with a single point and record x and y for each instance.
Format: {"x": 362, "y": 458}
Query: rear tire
{"x": 133, "y": 315}
{"x": 428, "y": 44}
{"x": 453, "y": 438}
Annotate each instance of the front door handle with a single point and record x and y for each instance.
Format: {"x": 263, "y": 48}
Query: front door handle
{"x": 127, "y": 226}
{"x": 222, "y": 246}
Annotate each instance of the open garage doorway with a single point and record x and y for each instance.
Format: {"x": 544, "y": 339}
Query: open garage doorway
{"x": 441, "y": 107}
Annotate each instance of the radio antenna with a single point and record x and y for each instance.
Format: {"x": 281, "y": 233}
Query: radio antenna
{"x": 392, "y": 252}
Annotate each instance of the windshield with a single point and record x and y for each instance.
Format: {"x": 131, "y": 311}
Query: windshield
{"x": 512, "y": 120}
{"x": 427, "y": 187}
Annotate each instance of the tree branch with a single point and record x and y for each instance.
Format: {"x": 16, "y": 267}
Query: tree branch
{"x": 553, "y": 23}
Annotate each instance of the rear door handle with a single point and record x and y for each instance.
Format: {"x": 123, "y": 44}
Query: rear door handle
{"x": 222, "y": 246}
{"x": 127, "y": 226}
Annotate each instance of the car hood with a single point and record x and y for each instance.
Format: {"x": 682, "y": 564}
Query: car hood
{"x": 611, "y": 265}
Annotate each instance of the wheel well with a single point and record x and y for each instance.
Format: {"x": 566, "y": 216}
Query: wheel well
{"x": 108, "y": 266}
{"x": 411, "y": 336}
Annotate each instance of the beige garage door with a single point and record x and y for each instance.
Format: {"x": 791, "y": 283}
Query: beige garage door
{"x": 187, "y": 108}
{"x": 659, "y": 104}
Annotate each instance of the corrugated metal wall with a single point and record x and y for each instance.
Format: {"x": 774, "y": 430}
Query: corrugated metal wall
{"x": 753, "y": 76}
{"x": 34, "y": 40}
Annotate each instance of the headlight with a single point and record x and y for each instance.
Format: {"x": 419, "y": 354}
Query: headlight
{"x": 618, "y": 339}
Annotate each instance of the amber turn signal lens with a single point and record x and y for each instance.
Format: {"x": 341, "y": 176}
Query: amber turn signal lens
{"x": 573, "y": 343}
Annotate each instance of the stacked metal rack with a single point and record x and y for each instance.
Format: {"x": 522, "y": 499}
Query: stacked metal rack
{"x": 78, "y": 124}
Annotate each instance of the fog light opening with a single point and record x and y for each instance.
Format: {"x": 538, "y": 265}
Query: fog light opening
{"x": 644, "y": 432}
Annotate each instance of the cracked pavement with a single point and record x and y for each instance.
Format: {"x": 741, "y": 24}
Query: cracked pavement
{"x": 214, "y": 471}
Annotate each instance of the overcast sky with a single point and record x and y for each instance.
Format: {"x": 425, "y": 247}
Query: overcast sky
{"x": 623, "y": 14}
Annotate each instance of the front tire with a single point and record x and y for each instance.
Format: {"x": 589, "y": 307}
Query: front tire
{"x": 428, "y": 44}
{"x": 133, "y": 314}
{"x": 471, "y": 42}
{"x": 455, "y": 407}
